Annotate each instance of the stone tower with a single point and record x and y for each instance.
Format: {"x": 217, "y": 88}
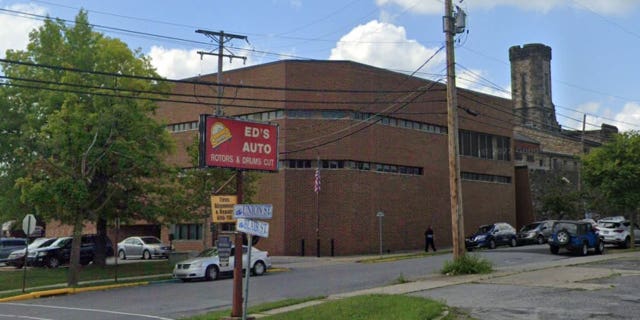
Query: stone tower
{"x": 531, "y": 87}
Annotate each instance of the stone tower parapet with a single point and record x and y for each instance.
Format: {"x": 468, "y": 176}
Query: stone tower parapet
{"x": 531, "y": 87}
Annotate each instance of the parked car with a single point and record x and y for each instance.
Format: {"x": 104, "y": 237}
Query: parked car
{"x": 146, "y": 247}
{"x": 535, "y": 232}
{"x": 207, "y": 264}
{"x": 492, "y": 235}
{"x": 59, "y": 252}
{"x": 617, "y": 230}
{"x": 16, "y": 258}
{"x": 575, "y": 236}
{"x": 8, "y": 245}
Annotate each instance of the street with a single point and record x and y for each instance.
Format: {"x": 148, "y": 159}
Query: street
{"x": 310, "y": 276}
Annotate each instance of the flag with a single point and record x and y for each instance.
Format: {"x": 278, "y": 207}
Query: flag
{"x": 316, "y": 184}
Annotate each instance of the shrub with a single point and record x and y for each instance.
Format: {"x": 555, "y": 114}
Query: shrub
{"x": 467, "y": 264}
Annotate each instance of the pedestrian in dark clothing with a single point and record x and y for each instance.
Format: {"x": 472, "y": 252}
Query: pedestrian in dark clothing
{"x": 428, "y": 240}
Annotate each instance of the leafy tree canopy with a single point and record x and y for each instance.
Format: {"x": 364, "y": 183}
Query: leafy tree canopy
{"x": 614, "y": 169}
{"x": 77, "y": 136}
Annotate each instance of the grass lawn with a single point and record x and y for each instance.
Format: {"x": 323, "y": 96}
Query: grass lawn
{"x": 12, "y": 279}
{"x": 369, "y": 307}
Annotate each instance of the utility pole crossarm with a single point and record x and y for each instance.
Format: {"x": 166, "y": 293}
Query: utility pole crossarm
{"x": 221, "y": 38}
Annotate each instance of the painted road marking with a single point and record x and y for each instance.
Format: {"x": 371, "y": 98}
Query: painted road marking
{"x": 89, "y": 310}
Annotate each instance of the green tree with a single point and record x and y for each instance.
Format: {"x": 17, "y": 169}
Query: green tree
{"x": 614, "y": 169}
{"x": 82, "y": 145}
{"x": 560, "y": 200}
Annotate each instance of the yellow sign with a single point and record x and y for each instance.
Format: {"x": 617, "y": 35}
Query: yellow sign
{"x": 222, "y": 208}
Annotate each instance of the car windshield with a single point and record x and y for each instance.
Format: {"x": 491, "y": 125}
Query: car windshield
{"x": 529, "y": 227}
{"x": 485, "y": 229}
{"x": 61, "y": 242}
{"x": 40, "y": 242}
{"x": 150, "y": 240}
{"x": 610, "y": 225}
{"x": 211, "y": 252}
{"x": 571, "y": 227}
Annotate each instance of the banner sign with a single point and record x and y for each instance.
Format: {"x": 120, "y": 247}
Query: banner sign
{"x": 231, "y": 143}
{"x": 222, "y": 208}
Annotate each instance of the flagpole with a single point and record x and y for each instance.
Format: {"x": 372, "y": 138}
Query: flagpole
{"x": 316, "y": 188}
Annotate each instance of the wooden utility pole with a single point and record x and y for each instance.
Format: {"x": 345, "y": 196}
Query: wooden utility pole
{"x": 455, "y": 187}
{"x": 221, "y": 38}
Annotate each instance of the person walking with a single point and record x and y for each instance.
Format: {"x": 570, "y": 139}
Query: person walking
{"x": 428, "y": 240}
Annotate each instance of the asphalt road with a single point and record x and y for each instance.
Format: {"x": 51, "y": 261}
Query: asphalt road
{"x": 310, "y": 276}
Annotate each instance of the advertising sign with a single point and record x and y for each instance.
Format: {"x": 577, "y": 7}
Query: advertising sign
{"x": 231, "y": 143}
{"x": 224, "y": 250}
{"x": 253, "y": 227}
{"x": 253, "y": 211}
{"x": 222, "y": 208}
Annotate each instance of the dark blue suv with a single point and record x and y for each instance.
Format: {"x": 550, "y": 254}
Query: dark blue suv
{"x": 492, "y": 235}
{"x": 576, "y": 236}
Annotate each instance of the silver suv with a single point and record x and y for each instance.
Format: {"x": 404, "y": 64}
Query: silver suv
{"x": 535, "y": 232}
{"x": 616, "y": 230}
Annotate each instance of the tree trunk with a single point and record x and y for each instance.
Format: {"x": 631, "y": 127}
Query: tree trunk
{"x": 100, "y": 257}
{"x": 74, "y": 263}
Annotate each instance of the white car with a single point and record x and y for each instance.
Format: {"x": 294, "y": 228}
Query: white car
{"x": 207, "y": 264}
{"x": 616, "y": 230}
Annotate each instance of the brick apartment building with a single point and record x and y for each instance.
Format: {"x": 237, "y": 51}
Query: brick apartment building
{"x": 380, "y": 139}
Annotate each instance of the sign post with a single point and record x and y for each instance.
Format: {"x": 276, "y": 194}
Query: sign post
{"x": 241, "y": 145}
{"x": 380, "y": 215}
{"x": 28, "y": 226}
{"x": 246, "y": 215}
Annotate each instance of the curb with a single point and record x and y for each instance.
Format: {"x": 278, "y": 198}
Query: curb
{"x": 54, "y": 292}
{"x": 64, "y": 291}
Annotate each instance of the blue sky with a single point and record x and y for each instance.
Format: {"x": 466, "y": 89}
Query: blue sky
{"x": 595, "y": 43}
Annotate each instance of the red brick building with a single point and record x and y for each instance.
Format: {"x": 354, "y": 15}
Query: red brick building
{"x": 380, "y": 139}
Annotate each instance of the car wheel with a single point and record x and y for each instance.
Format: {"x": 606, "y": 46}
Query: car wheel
{"x": 584, "y": 250}
{"x": 492, "y": 244}
{"x": 600, "y": 247}
{"x": 259, "y": 268}
{"x": 53, "y": 262}
{"x": 563, "y": 236}
{"x": 211, "y": 273}
{"x": 627, "y": 243}
{"x": 146, "y": 255}
{"x": 85, "y": 262}
{"x": 554, "y": 249}
{"x": 514, "y": 242}
{"x": 122, "y": 255}
{"x": 540, "y": 240}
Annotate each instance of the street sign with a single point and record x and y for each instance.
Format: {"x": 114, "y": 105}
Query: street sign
{"x": 224, "y": 250}
{"x": 253, "y": 211}
{"x": 253, "y": 227}
{"x": 29, "y": 224}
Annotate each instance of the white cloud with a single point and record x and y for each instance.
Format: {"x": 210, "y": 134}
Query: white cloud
{"x": 476, "y": 80}
{"x": 14, "y": 30}
{"x": 180, "y": 63}
{"x": 625, "y": 118}
{"x": 609, "y": 7}
{"x": 629, "y": 117}
{"x": 386, "y": 46}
